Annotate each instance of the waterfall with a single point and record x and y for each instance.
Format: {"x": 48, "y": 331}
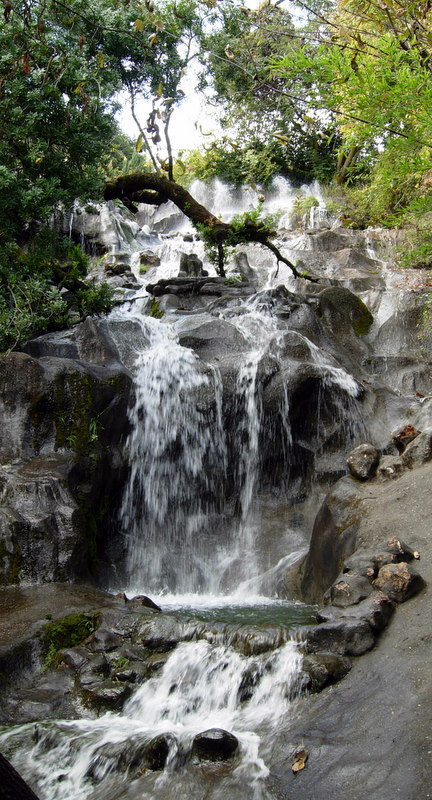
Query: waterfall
{"x": 177, "y": 453}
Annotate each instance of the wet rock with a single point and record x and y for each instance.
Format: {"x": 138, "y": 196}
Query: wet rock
{"x": 399, "y": 581}
{"x": 75, "y": 657}
{"x": 105, "y": 640}
{"x": 94, "y": 670}
{"x": 154, "y": 664}
{"x": 190, "y": 265}
{"x": 211, "y": 338}
{"x": 148, "y": 258}
{"x": 13, "y": 786}
{"x": 160, "y": 633}
{"x": 214, "y": 744}
{"x": 109, "y": 695}
{"x": 135, "y": 754}
{"x": 363, "y": 461}
{"x": 349, "y": 590}
{"x": 131, "y": 672}
{"x": 390, "y": 467}
{"x": 157, "y": 751}
{"x": 141, "y": 600}
{"x": 346, "y": 315}
{"x": 323, "y": 669}
{"x": 348, "y": 637}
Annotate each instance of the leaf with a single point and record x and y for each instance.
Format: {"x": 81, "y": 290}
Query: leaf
{"x": 139, "y": 25}
{"x": 153, "y": 39}
{"x": 159, "y": 90}
{"x": 300, "y": 758}
{"x": 139, "y": 143}
{"x": 100, "y": 60}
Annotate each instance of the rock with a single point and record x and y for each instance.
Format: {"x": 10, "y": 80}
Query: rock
{"x": 134, "y": 754}
{"x": 141, "y": 600}
{"x": 13, "y": 786}
{"x": 214, "y": 744}
{"x": 363, "y": 461}
{"x": 333, "y": 539}
{"x": 94, "y": 670}
{"x": 403, "y": 437}
{"x": 105, "y": 640}
{"x": 242, "y": 265}
{"x": 344, "y": 311}
{"x": 75, "y": 657}
{"x": 148, "y": 258}
{"x": 157, "y": 751}
{"x": 160, "y": 633}
{"x": 132, "y": 672}
{"x": 399, "y": 581}
{"x": 349, "y": 590}
{"x": 419, "y": 450}
{"x": 323, "y": 669}
{"x": 348, "y": 637}
{"x": 361, "y": 564}
{"x": 390, "y": 467}
{"x": 376, "y": 610}
{"x": 190, "y": 265}
{"x": 109, "y": 695}
{"x": 402, "y": 551}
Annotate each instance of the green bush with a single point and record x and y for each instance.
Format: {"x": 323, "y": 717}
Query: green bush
{"x": 42, "y": 286}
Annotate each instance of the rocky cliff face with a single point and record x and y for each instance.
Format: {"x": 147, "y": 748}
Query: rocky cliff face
{"x": 342, "y": 363}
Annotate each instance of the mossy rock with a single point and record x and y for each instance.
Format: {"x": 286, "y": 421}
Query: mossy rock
{"x": 339, "y": 306}
{"x": 67, "y": 632}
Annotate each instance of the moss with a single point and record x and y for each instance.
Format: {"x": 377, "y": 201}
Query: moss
{"x": 67, "y": 632}
{"x": 362, "y": 319}
{"x": 76, "y": 426}
{"x": 155, "y": 309}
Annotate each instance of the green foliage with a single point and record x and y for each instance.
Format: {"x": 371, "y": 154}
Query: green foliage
{"x": 66, "y": 632}
{"x": 42, "y": 285}
{"x": 303, "y": 204}
{"x": 155, "y": 309}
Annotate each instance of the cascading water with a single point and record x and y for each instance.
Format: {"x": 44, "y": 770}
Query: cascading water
{"x": 177, "y": 454}
{"x": 202, "y": 535}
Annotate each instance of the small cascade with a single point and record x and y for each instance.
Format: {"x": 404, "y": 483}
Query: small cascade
{"x": 201, "y": 687}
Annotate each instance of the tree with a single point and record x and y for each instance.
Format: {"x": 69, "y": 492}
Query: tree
{"x": 370, "y": 69}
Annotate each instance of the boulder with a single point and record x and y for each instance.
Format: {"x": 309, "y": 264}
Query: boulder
{"x": 349, "y": 590}
{"x": 403, "y": 437}
{"x": 349, "y": 637}
{"x": 109, "y": 695}
{"x": 214, "y": 744}
{"x": 190, "y": 265}
{"x": 322, "y": 669}
{"x": 363, "y": 461}
{"x": 399, "y": 581}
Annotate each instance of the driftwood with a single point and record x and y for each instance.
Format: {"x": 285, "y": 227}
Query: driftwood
{"x": 155, "y": 188}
